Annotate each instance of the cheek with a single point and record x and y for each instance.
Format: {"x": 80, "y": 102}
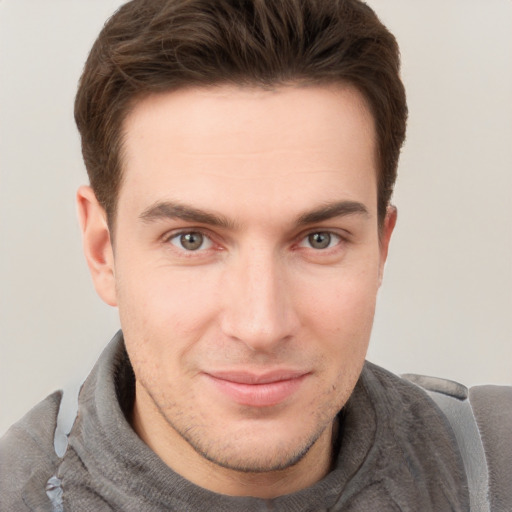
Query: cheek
{"x": 342, "y": 301}
{"x": 339, "y": 316}
{"x": 160, "y": 291}
{"x": 167, "y": 306}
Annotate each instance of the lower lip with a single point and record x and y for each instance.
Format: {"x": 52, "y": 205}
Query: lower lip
{"x": 259, "y": 395}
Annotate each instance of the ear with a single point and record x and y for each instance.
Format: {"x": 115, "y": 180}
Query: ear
{"x": 385, "y": 237}
{"x": 97, "y": 244}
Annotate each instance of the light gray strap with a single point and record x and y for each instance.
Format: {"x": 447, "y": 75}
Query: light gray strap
{"x": 55, "y": 493}
{"x": 460, "y": 415}
{"x": 453, "y": 399}
{"x": 492, "y": 407}
{"x": 68, "y": 410}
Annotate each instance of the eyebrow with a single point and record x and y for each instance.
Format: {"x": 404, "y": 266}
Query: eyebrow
{"x": 332, "y": 210}
{"x": 172, "y": 210}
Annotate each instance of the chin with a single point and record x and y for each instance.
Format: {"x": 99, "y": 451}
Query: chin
{"x": 250, "y": 460}
{"x": 256, "y": 449}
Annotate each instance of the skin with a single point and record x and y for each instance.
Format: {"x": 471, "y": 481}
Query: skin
{"x": 262, "y": 176}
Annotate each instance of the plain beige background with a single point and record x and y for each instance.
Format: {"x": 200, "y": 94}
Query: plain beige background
{"x": 446, "y": 304}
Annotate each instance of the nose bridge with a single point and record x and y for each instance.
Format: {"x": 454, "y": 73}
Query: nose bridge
{"x": 257, "y": 307}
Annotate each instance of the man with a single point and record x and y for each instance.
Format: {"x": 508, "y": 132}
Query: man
{"x": 242, "y": 157}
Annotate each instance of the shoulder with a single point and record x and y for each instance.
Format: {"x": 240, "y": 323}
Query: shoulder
{"x": 492, "y": 407}
{"x": 418, "y": 456}
{"x": 411, "y": 410}
{"x": 27, "y": 455}
{"x": 481, "y": 418}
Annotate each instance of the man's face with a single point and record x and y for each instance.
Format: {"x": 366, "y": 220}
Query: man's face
{"x": 246, "y": 265}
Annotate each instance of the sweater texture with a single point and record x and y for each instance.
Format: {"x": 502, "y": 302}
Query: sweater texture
{"x": 395, "y": 452}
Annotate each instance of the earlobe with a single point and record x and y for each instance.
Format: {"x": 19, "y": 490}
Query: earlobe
{"x": 385, "y": 237}
{"x": 97, "y": 244}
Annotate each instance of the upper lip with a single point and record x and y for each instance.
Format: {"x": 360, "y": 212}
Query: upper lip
{"x": 249, "y": 377}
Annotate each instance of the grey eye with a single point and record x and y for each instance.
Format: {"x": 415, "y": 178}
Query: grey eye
{"x": 319, "y": 240}
{"x": 191, "y": 241}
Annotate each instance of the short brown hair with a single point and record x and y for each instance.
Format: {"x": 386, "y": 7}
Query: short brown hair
{"x": 152, "y": 46}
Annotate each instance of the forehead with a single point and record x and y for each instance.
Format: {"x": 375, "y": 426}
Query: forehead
{"x": 268, "y": 144}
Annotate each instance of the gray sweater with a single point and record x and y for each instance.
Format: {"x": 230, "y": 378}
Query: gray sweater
{"x": 395, "y": 452}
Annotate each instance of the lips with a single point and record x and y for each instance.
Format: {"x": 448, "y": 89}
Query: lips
{"x": 258, "y": 390}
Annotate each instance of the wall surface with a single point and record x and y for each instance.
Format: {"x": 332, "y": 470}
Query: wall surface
{"x": 445, "y": 307}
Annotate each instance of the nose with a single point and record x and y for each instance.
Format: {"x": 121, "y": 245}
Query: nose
{"x": 257, "y": 302}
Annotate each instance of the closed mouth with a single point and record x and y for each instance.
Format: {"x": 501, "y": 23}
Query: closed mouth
{"x": 258, "y": 390}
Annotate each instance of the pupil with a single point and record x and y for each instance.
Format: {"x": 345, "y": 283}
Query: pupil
{"x": 320, "y": 240}
{"x": 191, "y": 241}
